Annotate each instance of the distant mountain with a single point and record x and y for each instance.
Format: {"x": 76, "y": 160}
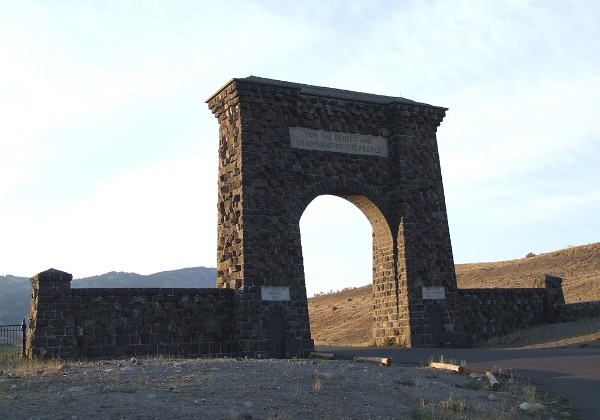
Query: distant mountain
{"x": 15, "y": 292}
{"x": 15, "y": 296}
{"x": 186, "y": 277}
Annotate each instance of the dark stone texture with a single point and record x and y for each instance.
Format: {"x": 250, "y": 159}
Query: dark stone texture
{"x": 128, "y": 322}
{"x": 492, "y": 312}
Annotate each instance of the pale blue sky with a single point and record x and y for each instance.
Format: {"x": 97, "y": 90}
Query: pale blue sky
{"x": 108, "y": 153}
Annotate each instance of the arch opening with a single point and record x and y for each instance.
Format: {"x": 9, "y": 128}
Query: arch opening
{"x": 346, "y": 246}
{"x": 336, "y": 246}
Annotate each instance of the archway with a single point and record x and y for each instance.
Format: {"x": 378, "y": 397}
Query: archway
{"x": 337, "y": 253}
{"x": 336, "y": 246}
{"x": 283, "y": 144}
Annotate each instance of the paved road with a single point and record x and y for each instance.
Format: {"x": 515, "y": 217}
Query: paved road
{"x": 572, "y": 372}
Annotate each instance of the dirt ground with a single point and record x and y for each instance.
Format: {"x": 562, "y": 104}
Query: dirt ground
{"x": 159, "y": 388}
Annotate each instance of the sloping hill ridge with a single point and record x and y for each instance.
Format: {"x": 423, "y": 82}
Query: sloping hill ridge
{"x": 578, "y": 266}
{"x": 15, "y": 292}
{"x": 185, "y": 277}
{"x": 344, "y": 318}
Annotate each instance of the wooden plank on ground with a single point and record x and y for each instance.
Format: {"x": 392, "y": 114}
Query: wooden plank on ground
{"x": 382, "y": 361}
{"x": 447, "y": 366}
{"x": 493, "y": 381}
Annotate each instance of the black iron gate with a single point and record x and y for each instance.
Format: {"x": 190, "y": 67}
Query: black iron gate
{"x": 13, "y": 339}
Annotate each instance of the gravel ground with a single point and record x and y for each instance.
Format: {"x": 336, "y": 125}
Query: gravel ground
{"x": 159, "y": 388}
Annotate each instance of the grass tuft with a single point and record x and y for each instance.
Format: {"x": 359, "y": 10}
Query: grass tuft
{"x": 318, "y": 383}
{"x": 451, "y": 404}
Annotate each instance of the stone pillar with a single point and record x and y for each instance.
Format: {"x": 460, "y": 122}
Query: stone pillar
{"x": 555, "y": 298}
{"x": 51, "y": 316}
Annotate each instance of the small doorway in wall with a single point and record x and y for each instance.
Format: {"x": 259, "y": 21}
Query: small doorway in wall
{"x": 436, "y": 328}
{"x": 277, "y": 332}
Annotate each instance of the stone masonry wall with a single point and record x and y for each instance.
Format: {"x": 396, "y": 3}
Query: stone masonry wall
{"x": 67, "y": 323}
{"x": 71, "y": 323}
{"x": 492, "y": 312}
{"x": 575, "y": 311}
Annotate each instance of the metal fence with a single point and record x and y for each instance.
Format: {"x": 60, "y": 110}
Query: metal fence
{"x": 13, "y": 339}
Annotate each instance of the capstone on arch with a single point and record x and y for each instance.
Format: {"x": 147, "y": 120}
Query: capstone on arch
{"x": 283, "y": 144}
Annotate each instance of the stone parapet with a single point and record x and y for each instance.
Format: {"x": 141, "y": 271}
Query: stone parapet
{"x": 580, "y": 310}
{"x": 69, "y": 323}
{"x": 492, "y": 312}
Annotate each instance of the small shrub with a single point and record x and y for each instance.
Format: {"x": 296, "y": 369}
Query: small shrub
{"x": 458, "y": 406}
{"x": 426, "y": 411}
{"x": 530, "y": 393}
{"x": 531, "y": 254}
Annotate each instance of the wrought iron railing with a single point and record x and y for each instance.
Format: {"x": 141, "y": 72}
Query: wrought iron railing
{"x": 13, "y": 340}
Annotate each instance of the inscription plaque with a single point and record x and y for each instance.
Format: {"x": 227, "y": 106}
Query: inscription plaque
{"x": 434, "y": 292}
{"x": 275, "y": 293}
{"x": 331, "y": 141}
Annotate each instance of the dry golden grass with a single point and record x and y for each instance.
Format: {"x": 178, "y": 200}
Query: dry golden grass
{"x": 344, "y": 318}
{"x": 22, "y": 366}
{"x": 578, "y": 266}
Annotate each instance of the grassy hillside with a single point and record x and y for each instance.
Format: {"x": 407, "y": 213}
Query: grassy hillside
{"x": 345, "y": 317}
{"x": 578, "y": 266}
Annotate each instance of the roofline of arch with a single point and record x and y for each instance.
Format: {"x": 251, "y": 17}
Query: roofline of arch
{"x": 326, "y": 92}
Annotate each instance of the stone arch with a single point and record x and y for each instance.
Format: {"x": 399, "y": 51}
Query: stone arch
{"x": 374, "y": 207}
{"x": 369, "y": 201}
{"x": 281, "y": 145}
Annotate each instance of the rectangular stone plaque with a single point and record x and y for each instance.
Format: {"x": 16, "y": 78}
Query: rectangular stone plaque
{"x": 275, "y": 293}
{"x": 434, "y": 292}
{"x": 330, "y": 141}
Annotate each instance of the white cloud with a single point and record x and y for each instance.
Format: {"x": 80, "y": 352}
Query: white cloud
{"x": 146, "y": 220}
{"x": 492, "y": 136}
{"x": 151, "y": 219}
